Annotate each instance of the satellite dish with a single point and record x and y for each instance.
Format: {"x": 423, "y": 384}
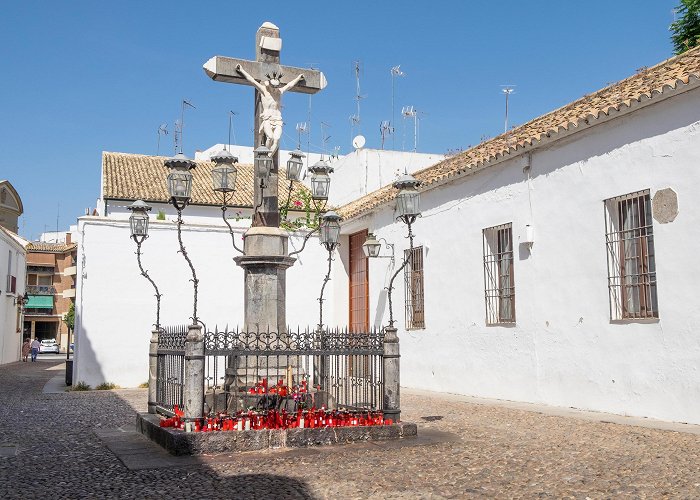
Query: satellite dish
{"x": 358, "y": 142}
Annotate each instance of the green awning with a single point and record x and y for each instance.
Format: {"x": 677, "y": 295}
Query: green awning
{"x": 40, "y": 302}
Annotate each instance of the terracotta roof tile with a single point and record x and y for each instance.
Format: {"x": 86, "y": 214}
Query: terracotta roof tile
{"x": 646, "y": 84}
{"x": 142, "y": 177}
{"x": 40, "y": 246}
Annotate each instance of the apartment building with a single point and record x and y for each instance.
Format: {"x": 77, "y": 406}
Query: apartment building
{"x": 51, "y": 269}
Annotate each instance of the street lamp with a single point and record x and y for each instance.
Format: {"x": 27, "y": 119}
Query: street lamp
{"x": 139, "y": 232}
{"x": 180, "y": 180}
{"x": 407, "y": 211}
{"x": 139, "y": 221}
{"x": 372, "y": 247}
{"x": 329, "y": 236}
{"x": 294, "y": 165}
{"x": 320, "y": 181}
{"x": 263, "y": 164}
{"x": 223, "y": 177}
{"x": 330, "y": 230}
{"x": 408, "y": 199}
{"x": 180, "y": 189}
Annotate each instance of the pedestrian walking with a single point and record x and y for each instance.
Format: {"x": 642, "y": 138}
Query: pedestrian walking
{"x": 26, "y": 349}
{"x": 35, "y": 348}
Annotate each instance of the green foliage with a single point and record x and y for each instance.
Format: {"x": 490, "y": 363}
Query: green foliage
{"x": 69, "y": 318}
{"x": 686, "y": 29}
{"x": 300, "y": 203}
{"x": 161, "y": 215}
{"x": 106, "y": 386}
{"x": 143, "y": 385}
{"x": 81, "y": 386}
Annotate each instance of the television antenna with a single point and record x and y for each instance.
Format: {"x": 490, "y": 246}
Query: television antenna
{"x": 355, "y": 119}
{"x": 507, "y": 90}
{"x": 324, "y": 137}
{"x": 385, "y": 129}
{"x": 180, "y": 125}
{"x": 162, "y": 130}
{"x": 411, "y": 112}
{"x": 231, "y": 114}
{"x": 395, "y": 71}
{"x": 301, "y": 128}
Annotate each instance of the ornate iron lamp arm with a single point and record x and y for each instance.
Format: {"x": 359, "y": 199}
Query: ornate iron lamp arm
{"x": 194, "y": 280}
{"x": 320, "y": 299}
{"x": 306, "y": 238}
{"x": 403, "y": 264}
{"x": 289, "y": 198}
{"x": 224, "y": 207}
{"x": 144, "y": 273}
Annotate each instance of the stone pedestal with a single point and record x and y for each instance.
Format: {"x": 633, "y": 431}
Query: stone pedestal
{"x": 193, "y": 394}
{"x": 152, "y": 371}
{"x": 265, "y": 264}
{"x": 392, "y": 375}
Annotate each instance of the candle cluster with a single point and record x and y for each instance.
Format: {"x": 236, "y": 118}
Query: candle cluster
{"x": 275, "y": 419}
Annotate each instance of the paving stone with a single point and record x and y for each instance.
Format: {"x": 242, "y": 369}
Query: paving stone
{"x": 476, "y": 450}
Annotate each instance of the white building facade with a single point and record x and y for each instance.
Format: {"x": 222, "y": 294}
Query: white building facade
{"x": 13, "y": 264}
{"x": 554, "y": 265}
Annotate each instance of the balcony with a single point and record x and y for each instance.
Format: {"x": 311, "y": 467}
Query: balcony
{"x": 40, "y": 290}
{"x": 69, "y": 293}
{"x": 71, "y": 271}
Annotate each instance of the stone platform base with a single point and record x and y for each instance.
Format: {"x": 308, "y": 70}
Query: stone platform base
{"x": 179, "y": 442}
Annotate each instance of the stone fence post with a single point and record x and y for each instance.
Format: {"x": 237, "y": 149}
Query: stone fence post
{"x": 193, "y": 393}
{"x": 153, "y": 372}
{"x": 392, "y": 375}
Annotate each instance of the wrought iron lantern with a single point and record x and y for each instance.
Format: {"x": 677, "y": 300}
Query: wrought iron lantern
{"x": 139, "y": 220}
{"x": 223, "y": 175}
{"x": 371, "y": 246}
{"x": 180, "y": 180}
{"x": 408, "y": 199}
{"x": 263, "y": 163}
{"x": 330, "y": 230}
{"x": 294, "y": 165}
{"x": 320, "y": 181}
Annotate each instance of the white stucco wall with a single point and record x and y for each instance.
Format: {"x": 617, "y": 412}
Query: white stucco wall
{"x": 10, "y": 338}
{"x": 115, "y": 305}
{"x": 366, "y": 170}
{"x": 564, "y": 349}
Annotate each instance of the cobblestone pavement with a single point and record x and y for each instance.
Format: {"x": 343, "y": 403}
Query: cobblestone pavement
{"x": 495, "y": 452}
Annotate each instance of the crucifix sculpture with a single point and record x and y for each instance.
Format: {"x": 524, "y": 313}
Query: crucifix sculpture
{"x": 270, "y": 80}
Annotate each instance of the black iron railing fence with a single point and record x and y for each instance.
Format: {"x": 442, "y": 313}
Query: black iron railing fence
{"x": 334, "y": 368}
{"x": 171, "y": 368}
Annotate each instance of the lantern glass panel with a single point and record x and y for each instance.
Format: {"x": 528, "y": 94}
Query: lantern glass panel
{"x": 330, "y": 233}
{"x": 320, "y": 184}
{"x": 263, "y": 163}
{"x": 224, "y": 178}
{"x": 294, "y": 165}
{"x": 139, "y": 224}
{"x": 408, "y": 203}
{"x": 180, "y": 184}
{"x": 371, "y": 247}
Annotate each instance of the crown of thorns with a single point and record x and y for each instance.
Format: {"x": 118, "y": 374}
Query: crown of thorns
{"x": 274, "y": 76}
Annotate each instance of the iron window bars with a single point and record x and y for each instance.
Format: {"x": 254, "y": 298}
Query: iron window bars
{"x": 629, "y": 239}
{"x": 499, "y": 281}
{"x": 413, "y": 288}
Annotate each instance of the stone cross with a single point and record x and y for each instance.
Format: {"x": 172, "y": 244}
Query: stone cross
{"x": 266, "y": 73}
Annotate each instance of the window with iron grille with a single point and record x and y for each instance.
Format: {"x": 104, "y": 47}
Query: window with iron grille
{"x": 413, "y": 286}
{"x": 629, "y": 237}
{"x": 499, "y": 282}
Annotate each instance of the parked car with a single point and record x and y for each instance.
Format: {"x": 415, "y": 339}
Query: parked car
{"x": 49, "y": 345}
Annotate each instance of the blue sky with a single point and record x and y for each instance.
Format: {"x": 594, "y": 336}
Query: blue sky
{"x": 83, "y": 77}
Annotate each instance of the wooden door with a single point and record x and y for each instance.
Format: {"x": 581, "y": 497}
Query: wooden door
{"x": 359, "y": 284}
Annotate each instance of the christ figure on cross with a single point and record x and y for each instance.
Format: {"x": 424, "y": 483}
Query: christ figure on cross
{"x": 270, "y": 100}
